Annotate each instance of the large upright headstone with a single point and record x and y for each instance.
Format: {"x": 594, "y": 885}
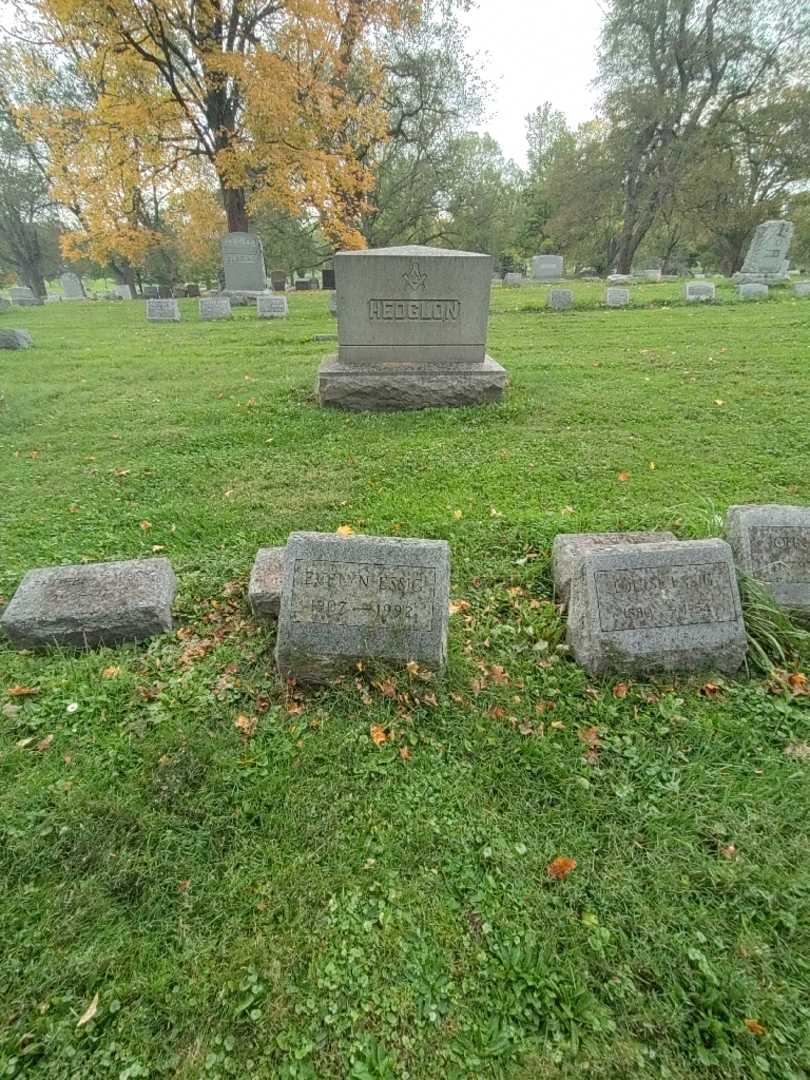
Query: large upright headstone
{"x": 243, "y": 262}
{"x": 91, "y": 604}
{"x": 371, "y": 598}
{"x": 767, "y": 259}
{"x": 671, "y": 606}
{"x": 162, "y": 311}
{"x": 547, "y": 267}
{"x": 771, "y": 543}
{"x": 412, "y": 329}
{"x": 72, "y": 288}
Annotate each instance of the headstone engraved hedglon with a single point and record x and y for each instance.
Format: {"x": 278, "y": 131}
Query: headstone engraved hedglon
{"x": 547, "y": 267}
{"x": 771, "y": 543}
{"x": 617, "y": 297}
{"x": 561, "y": 299}
{"x": 767, "y": 260}
{"x": 214, "y": 307}
{"x": 699, "y": 291}
{"x": 266, "y": 578}
{"x": 569, "y": 547}
{"x": 15, "y": 339}
{"x": 72, "y": 288}
{"x": 271, "y": 307}
{"x": 412, "y": 329}
{"x": 639, "y": 608}
{"x": 162, "y": 311}
{"x": 753, "y": 291}
{"x": 346, "y": 599}
{"x": 243, "y": 263}
{"x": 92, "y": 604}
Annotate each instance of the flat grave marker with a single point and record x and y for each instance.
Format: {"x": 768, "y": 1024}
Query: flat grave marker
{"x": 771, "y": 543}
{"x": 162, "y": 311}
{"x": 561, "y": 299}
{"x": 699, "y": 292}
{"x": 272, "y": 307}
{"x": 617, "y": 297}
{"x": 214, "y": 307}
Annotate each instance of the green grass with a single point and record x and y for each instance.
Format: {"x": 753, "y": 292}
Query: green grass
{"x": 309, "y": 904}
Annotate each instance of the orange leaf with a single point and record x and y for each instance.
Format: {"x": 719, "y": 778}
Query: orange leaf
{"x": 728, "y": 852}
{"x": 560, "y": 868}
{"x": 404, "y": 753}
{"x": 798, "y": 682}
{"x": 146, "y": 525}
{"x": 754, "y": 1027}
{"x": 620, "y": 690}
{"x": 590, "y": 736}
{"x": 45, "y": 743}
{"x": 344, "y": 530}
{"x": 378, "y": 734}
{"x": 22, "y": 691}
{"x": 183, "y": 885}
{"x": 710, "y": 690}
{"x": 111, "y": 672}
{"x": 246, "y": 725}
{"x": 623, "y": 476}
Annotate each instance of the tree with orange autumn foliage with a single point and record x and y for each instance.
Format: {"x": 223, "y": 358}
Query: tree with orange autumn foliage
{"x": 268, "y": 97}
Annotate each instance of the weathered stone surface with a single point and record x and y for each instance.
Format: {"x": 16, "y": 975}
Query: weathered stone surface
{"x": 348, "y": 386}
{"x": 617, "y": 297}
{"x": 179, "y": 292}
{"x": 328, "y": 277}
{"x": 752, "y": 291}
{"x": 193, "y": 291}
{"x": 561, "y": 299}
{"x": 72, "y": 287}
{"x": 162, "y": 311}
{"x": 333, "y": 304}
{"x": 368, "y": 598}
{"x": 412, "y": 324}
{"x": 123, "y": 292}
{"x": 151, "y": 292}
{"x": 278, "y": 280}
{"x": 675, "y": 606}
{"x": 513, "y": 281}
{"x": 651, "y": 276}
{"x": 94, "y": 604}
{"x": 243, "y": 262}
{"x": 164, "y": 292}
{"x": 215, "y": 307}
{"x": 15, "y": 339}
{"x": 620, "y": 279}
{"x": 264, "y": 589}
{"x": 324, "y": 337}
{"x": 22, "y": 296}
{"x": 547, "y": 267}
{"x": 271, "y": 307}
{"x": 771, "y": 543}
{"x": 569, "y": 547}
{"x": 801, "y": 289}
{"x": 698, "y": 291}
{"x": 767, "y": 259}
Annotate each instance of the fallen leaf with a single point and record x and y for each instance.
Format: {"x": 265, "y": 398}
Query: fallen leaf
{"x": 111, "y": 672}
{"x": 719, "y": 401}
{"x": 246, "y": 725}
{"x": 798, "y": 750}
{"x": 88, "y": 1013}
{"x": 73, "y": 508}
{"x": 45, "y": 743}
{"x": 183, "y": 885}
{"x": 568, "y": 510}
{"x": 494, "y": 513}
{"x": 404, "y": 753}
{"x": 158, "y": 547}
{"x": 120, "y": 472}
{"x": 146, "y": 525}
{"x": 457, "y": 606}
{"x": 458, "y": 514}
{"x": 22, "y": 691}
{"x": 560, "y": 868}
{"x": 652, "y": 466}
{"x": 754, "y": 1027}
{"x": 387, "y": 687}
{"x": 25, "y": 742}
{"x": 344, "y": 530}
{"x": 797, "y": 682}
{"x": 623, "y": 476}
{"x": 378, "y": 735}
{"x": 728, "y": 852}
{"x": 10, "y": 711}
{"x": 710, "y": 690}
{"x": 620, "y": 690}
{"x": 590, "y": 736}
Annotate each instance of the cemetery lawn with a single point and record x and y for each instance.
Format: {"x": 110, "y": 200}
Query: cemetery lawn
{"x": 204, "y": 875}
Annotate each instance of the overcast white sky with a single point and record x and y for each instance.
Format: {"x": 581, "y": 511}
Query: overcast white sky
{"x": 535, "y": 51}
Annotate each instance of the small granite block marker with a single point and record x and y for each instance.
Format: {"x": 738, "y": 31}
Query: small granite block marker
{"x": 569, "y": 547}
{"x": 561, "y": 299}
{"x": 93, "y": 604}
{"x": 354, "y": 598}
{"x": 617, "y": 297}
{"x": 15, "y": 339}
{"x": 801, "y": 289}
{"x": 771, "y": 543}
{"x": 266, "y": 577}
{"x": 513, "y": 281}
{"x": 215, "y": 307}
{"x": 162, "y": 311}
{"x": 640, "y": 608}
{"x": 271, "y": 307}
{"x": 698, "y": 291}
{"x": 752, "y": 291}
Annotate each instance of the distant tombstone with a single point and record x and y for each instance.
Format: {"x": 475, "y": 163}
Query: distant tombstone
{"x": 193, "y": 291}
{"x": 5, "y": 305}
{"x": 652, "y": 276}
{"x": 72, "y": 287}
{"x": 560, "y": 299}
{"x": 179, "y": 292}
{"x": 15, "y": 339}
{"x": 124, "y": 292}
{"x": 91, "y": 604}
{"x": 547, "y": 267}
{"x": 699, "y": 291}
{"x": 243, "y": 262}
{"x": 369, "y": 598}
{"x": 636, "y": 609}
{"x": 162, "y": 311}
{"x": 333, "y": 304}
{"x": 568, "y": 548}
{"x": 801, "y": 289}
{"x": 670, "y": 278}
{"x": 328, "y": 275}
{"x": 620, "y": 279}
{"x": 771, "y": 544}
{"x": 151, "y": 292}
{"x": 164, "y": 292}
{"x": 278, "y": 280}
{"x": 271, "y": 307}
{"x": 617, "y": 297}
{"x": 22, "y": 296}
{"x": 767, "y": 262}
{"x": 752, "y": 291}
{"x": 513, "y": 281}
{"x": 264, "y": 588}
{"x": 215, "y": 307}
{"x": 302, "y": 284}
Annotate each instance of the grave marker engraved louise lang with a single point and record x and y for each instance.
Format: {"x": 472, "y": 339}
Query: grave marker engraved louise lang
{"x": 412, "y": 328}
{"x": 91, "y": 604}
{"x": 670, "y": 606}
{"x": 345, "y": 599}
{"x": 771, "y": 543}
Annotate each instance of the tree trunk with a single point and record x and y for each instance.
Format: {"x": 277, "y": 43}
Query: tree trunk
{"x": 236, "y": 209}
{"x": 32, "y": 275}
